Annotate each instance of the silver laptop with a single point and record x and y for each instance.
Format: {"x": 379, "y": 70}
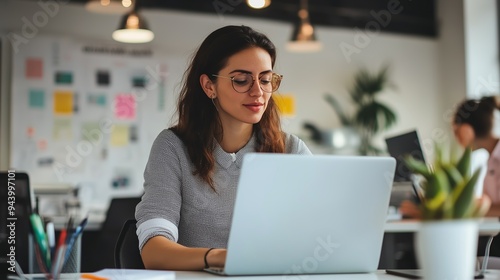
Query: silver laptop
{"x": 298, "y": 214}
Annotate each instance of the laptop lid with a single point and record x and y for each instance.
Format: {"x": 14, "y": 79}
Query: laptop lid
{"x": 298, "y": 214}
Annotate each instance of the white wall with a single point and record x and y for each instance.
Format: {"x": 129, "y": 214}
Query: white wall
{"x": 481, "y": 46}
{"x": 414, "y": 60}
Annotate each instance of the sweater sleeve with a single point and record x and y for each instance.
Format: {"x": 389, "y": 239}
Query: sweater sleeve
{"x": 158, "y": 213}
{"x": 294, "y": 145}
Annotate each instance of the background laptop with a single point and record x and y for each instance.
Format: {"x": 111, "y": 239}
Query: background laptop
{"x": 298, "y": 214}
{"x": 399, "y": 147}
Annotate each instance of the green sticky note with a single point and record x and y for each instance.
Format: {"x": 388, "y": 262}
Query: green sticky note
{"x": 36, "y": 98}
{"x": 63, "y": 77}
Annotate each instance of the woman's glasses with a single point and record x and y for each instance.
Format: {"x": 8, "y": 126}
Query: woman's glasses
{"x": 243, "y": 82}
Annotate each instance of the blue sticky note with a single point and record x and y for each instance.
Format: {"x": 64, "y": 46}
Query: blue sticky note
{"x": 101, "y": 100}
{"x": 36, "y": 98}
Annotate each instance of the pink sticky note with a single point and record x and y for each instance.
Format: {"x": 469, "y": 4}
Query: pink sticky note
{"x": 125, "y": 106}
{"x": 34, "y": 68}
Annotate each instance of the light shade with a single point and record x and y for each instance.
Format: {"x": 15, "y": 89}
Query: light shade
{"x": 303, "y": 36}
{"x": 303, "y": 39}
{"x": 133, "y": 29}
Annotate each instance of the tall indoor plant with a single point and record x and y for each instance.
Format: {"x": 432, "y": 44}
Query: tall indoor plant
{"x": 371, "y": 116}
{"x": 446, "y": 243}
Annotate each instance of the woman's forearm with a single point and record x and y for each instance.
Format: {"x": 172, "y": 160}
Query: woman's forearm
{"x": 161, "y": 253}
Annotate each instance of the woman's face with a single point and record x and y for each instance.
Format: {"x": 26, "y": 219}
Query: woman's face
{"x": 464, "y": 134}
{"x": 235, "y": 107}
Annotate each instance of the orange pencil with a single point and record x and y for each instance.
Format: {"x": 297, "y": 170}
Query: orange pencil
{"x": 92, "y": 276}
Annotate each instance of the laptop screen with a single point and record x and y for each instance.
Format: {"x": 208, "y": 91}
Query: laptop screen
{"x": 399, "y": 147}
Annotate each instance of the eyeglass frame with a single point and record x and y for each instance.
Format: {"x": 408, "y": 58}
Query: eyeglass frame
{"x": 253, "y": 82}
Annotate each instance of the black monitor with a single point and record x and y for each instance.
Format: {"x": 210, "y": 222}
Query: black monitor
{"x": 399, "y": 147}
{"x": 15, "y": 192}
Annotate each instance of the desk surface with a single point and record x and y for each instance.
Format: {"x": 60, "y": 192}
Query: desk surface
{"x": 379, "y": 275}
{"x": 487, "y": 226}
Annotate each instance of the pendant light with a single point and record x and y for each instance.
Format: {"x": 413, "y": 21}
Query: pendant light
{"x": 258, "y": 4}
{"x": 133, "y": 29}
{"x": 303, "y": 36}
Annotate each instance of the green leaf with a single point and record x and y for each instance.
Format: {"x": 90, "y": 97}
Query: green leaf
{"x": 417, "y": 166}
{"x": 453, "y": 175}
{"x": 463, "y": 165}
{"x": 437, "y": 190}
{"x": 463, "y": 196}
{"x": 344, "y": 119}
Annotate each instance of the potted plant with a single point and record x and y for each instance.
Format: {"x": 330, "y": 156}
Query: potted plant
{"x": 446, "y": 243}
{"x": 371, "y": 116}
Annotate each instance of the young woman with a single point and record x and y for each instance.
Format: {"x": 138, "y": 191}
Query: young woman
{"x": 473, "y": 126}
{"x": 225, "y": 110}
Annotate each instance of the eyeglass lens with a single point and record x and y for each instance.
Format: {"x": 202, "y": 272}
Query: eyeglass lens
{"x": 268, "y": 82}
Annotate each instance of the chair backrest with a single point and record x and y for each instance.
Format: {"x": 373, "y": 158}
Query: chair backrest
{"x": 120, "y": 210}
{"x": 127, "y": 254}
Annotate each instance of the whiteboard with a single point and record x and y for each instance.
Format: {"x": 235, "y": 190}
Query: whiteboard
{"x": 86, "y": 113}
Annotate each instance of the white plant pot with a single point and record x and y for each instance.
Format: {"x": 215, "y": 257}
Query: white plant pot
{"x": 447, "y": 249}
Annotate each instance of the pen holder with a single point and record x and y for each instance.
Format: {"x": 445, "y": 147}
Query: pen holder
{"x": 71, "y": 265}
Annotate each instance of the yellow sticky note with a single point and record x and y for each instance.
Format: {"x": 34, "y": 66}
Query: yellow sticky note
{"x": 120, "y": 135}
{"x": 62, "y": 129}
{"x": 63, "y": 102}
{"x": 285, "y": 103}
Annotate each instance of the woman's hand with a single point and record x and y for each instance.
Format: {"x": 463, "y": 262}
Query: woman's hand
{"x": 410, "y": 210}
{"x": 217, "y": 258}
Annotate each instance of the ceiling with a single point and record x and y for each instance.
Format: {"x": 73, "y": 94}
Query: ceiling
{"x": 397, "y": 16}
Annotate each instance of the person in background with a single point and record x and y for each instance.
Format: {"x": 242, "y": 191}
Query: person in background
{"x": 473, "y": 124}
{"x": 225, "y": 110}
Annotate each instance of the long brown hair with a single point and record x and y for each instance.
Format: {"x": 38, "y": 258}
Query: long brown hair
{"x": 198, "y": 124}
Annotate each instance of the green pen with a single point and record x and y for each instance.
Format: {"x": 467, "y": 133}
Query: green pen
{"x": 41, "y": 237}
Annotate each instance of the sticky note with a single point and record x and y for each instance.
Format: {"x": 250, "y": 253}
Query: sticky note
{"x": 120, "y": 135}
{"x": 98, "y": 99}
{"x": 285, "y": 103}
{"x": 139, "y": 82}
{"x": 125, "y": 106}
{"x": 34, "y": 68}
{"x": 63, "y": 103}
{"x": 36, "y": 98}
{"x": 62, "y": 129}
{"x": 63, "y": 78}
{"x": 103, "y": 78}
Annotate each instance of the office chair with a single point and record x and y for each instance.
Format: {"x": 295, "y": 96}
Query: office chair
{"x": 100, "y": 251}
{"x": 127, "y": 254}
{"x": 23, "y": 209}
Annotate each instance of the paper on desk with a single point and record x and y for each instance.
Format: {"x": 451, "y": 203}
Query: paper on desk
{"x": 133, "y": 274}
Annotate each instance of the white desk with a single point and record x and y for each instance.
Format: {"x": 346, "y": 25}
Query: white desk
{"x": 397, "y": 249}
{"x": 487, "y": 226}
{"x": 379, "y": 275}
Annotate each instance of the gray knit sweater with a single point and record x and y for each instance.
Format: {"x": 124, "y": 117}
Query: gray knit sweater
{"x": 182, "y": 207}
